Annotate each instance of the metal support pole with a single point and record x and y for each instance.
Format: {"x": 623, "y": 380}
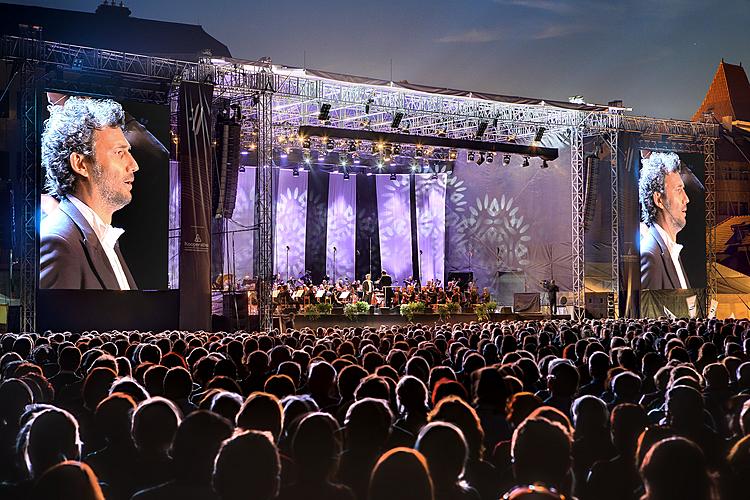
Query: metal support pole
{"x": 29, "y": 172}
{"x": 264, "y": 193}
{"x": 576, "y": 176}
{"x": 709, "y": 152}
{"x": 615, "y": 207}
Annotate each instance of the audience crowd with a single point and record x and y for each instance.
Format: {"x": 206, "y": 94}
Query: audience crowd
{"x": 626, "y": 409}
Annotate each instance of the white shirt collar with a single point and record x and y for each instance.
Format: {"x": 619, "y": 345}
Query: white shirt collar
{"x": 673, "y": 247}
{"x": 107, "y": 234}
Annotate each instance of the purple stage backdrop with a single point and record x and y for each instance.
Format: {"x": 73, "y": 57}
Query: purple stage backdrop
{"x": 342, "y": 201}
{"x": 394, "y": 220}
{"x": 174, "y": 225}
{"x": 238, "y": 259}
{"x": 291, "y": 222}
{"x": 430, "y": 201}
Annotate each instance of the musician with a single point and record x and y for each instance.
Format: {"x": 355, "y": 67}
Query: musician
{"x": 386, "y": 282}
{"x": 396, "y": 299}
{"x": 473, "y": 295}
{"x": 367, "y": 288}
{"x": 441, "y": 297}
{"x": 486, "y": 297}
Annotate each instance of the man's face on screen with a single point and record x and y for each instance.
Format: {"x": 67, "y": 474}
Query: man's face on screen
{"x": 675, "y": 202}
{"x": 114, "y": 170}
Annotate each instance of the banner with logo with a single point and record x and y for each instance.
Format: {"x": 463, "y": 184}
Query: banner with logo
{"x": 194, "y": 157}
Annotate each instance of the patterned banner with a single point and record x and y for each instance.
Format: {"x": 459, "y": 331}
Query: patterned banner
{"x": 342, "y": 198}
{"x": 394, "y": 225}
{"x": 430, "y": 201}
{"x": 240, "y": 235}
{"x": 194, "y": 157}
{"x": 291, "y": 222}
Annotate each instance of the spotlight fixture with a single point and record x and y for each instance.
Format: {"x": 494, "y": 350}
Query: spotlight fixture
{"x": 544, "y": 164}
{"x": 414, "y": 166}
{"x": 380, "y": 165}
{"x": 325, "y": 112}
{"x": 418, "y": 152}
{"x": 490, "y": 157}
{"x": 387, "y": 152}
{"x": 397, "y": 117}
{"x": 452, "y": 155}
{"x": 306, "y": 157}
{"x": 367, "y": 105}
{"x": 480, "y": 160}
{"x": 481, "y": 129}
{"x": 295, "y": 172}
{"x": 506, "y": 160}
{"x": 306, "y": 143}
{"x": 525, "y": 161}
{"x": 321, "y": 157}
{"x": 346, "y": 175}
{"x": 471, "y": 156}
{"x": 393, "y": 176}
{"x": 355, "y": 159}
{"x": 330, "y": 144}
{"x": 352, "y": 146}
{"x": 397, "y": 149}
{"x": 434, "y": 176}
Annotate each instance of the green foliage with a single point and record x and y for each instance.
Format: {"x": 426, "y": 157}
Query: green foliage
{"x": 351, "y": 311}
{"x": 484, "y": 310}
{"x": 315, "y": 311}
{"x": 409, "y": 310}
{"x": 445, "y": 310}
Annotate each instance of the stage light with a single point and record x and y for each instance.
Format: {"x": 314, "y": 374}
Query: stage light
{"x": 342, "y": 161}
{"x": 346, "y": 175}
{"x": 325, "y": 112}
{"x": 480, "y": 160}
{"x": 414, "y": 166}
{"x": 380, "y": 165}
{"x": 352, "y": 146}
{"x": 306, "y": 143}
{"x": 481, "y": 129}
{"x": 245, "y": 153}
{"x": 397, "y": 119}
{"x": 393, "y": 176}
{"x": 490, "y": 157}
{"x": 355, "y": 159}
{"x": 321, "y": 157}
{"x": 387, "y": 153}
{"x": 525, "y": 161}
{"x": 367, "y": 105}
{"x": 544, "y": 164}
{"x": 419, "y": 152}
{"x": 306, "y": 157}
{"x": 295, "y": 172}
{"x": 253, "y": 146}
{"x": 330, "y": 144}
{"x": 471, "y": 156}
{"x": 284, "y": 154}
{"x": 506, "y": 160}
{"x": 434, "y": 176}
{"x": 452, "y": 155}
{"x": 397, "y": 149}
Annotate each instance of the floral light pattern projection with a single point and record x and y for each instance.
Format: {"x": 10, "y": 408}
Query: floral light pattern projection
{"x": 510, "y": 219}
{"x": 291, "y": 221}
{"x": 341, "y": 231}
{"x": 394, "y": 226}
{"x": 430, "y": 205}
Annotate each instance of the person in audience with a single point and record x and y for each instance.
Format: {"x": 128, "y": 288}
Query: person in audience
{"x": 676, "y": 469}
{"x": 68, "y": 480}
{"x": 247, "y": 462}
{"x": 445, "y": 449}
{"x": 401, "y": 474}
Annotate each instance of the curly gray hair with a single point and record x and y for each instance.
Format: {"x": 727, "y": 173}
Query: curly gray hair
{"x": 655, "y": 169}
{"x": 70, "y": 129}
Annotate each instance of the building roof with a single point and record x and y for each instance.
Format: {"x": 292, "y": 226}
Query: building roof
{"x": 111, "y": 27}
{"x": 728, "y": 95}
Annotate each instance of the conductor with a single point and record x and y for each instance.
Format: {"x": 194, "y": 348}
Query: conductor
{"x": 386, "y": 282}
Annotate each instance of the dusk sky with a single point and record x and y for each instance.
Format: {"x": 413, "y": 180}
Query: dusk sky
{"x": 657, "y": 56}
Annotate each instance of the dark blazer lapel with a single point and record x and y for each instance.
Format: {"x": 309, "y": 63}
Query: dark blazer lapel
{"x": 666, "y": 259}
{"x": 93, "y": 248}
{"x": 128, "y": 275}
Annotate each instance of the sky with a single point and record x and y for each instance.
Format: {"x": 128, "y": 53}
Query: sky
{"x": 658, "y": 56}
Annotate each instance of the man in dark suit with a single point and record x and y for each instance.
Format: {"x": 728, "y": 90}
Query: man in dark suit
{"x": 664, "y": 210}
{"x": 386, "y": 282}
{"x": 89, "y": 168}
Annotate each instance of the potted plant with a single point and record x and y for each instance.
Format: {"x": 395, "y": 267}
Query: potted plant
{"x": 351, "y": 311}
{"x": 483, "y": 311}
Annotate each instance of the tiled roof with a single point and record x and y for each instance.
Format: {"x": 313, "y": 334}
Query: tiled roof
{"x": 112, "y": 31}
{"x": 728, "y": 95}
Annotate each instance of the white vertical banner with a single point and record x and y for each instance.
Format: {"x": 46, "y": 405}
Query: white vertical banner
{"x": 712, "y": 309}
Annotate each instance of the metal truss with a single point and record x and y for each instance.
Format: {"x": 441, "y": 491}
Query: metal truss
{"x": 264, "y": 211}
{"x": 29, "y": 169}
{"x": 577, "y": 241}
{"x": 709, "y": 153}
{"x": 615, "y": 213}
